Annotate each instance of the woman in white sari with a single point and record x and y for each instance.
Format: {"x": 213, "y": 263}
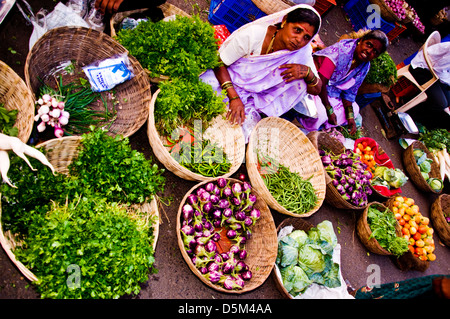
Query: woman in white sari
{"x": 267, "y": 66}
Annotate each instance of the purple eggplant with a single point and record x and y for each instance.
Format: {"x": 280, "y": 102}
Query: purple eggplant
{"x": 208, "y": 207}
{"x": 247, "y": 275}
{"x": 188, "y": 211}
{"x": 224, "y": 203}
{"x": 222, "y": 182}
{"x": 240, "y": 215}
{"x": 204, "y": 197}
{"x": 214, "y": 199}
{"x": 231, "y": 233}
{"x": 236, "y": 188}
{"x": 227, "y": 192}
{"x": 188, "y": 230}
{"x": 213, "y": 276}
{"x": 239, "y": 282}
{"x": 227, "y": 212}
{"x": 242, "y": 254}
{"x": 228, "y": 266}
{"x": 216, "y": 214}
{"x": 192, "y": 199}
{"x": 241, "y": 266}
{"x": 211, "y": 246}
{"x": 216, "y": 236}
{"x": 236, "y": 201}
{"x": 209, "y": 187}
{"x": 234, "y": 249}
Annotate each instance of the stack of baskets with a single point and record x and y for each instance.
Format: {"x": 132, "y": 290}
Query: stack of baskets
{"x": 281, "y": 140}
{"x": 15, "y": 95}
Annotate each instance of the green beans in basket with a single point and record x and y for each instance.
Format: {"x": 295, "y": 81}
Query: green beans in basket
{"x": 289, "y": 189}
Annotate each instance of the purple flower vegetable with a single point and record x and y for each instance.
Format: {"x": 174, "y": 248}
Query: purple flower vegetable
{"x": 223, "y": 203}
{"x": 231, "y": 233}
{"x": 214, "y": 199}
{"x": 188, "y": 211}
{"x": 207, "y": 207}
{"x": 188, "y": 230}
{"x": 242, "y": 254}
{"x": 221, "y": 182}
{"x": 247, "y": 275}
{"x": 211, "y": 246}
{"x": 227, "y": 192}
{"x": 209, "y": 187}
{"x": 227, "y": 212}
{"x": 213, "y": 276}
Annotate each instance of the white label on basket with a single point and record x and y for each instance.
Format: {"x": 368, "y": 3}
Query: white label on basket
{"x": 106, "y": 74}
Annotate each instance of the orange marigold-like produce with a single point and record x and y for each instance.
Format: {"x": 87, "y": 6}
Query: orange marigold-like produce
{"x": 415, "y": 227}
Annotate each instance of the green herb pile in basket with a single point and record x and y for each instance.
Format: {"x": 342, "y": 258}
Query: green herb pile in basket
{"x": 382, "y": 223}
{"x": 184, "y": 47}
{"x": 382, "y": 71}
{"x": 81, "y": 234}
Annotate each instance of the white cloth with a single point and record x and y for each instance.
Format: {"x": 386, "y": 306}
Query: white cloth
{"x": 439, "y": 59}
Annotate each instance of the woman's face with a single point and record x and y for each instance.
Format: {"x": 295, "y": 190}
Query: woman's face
{"x": 368, "y": 50}
{"x": 296, "y": 35}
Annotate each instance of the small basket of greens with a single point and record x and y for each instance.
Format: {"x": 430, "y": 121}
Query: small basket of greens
{"x": 380, "y": 232}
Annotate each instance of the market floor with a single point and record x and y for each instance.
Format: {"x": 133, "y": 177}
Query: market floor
{"x": 174, "y": 279}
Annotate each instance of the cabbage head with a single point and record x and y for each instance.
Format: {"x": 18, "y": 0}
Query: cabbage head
{"x": 300, "y": 236}
{"x": 326, "y": 232}
{"x": 287, "y": 251}
{"x": 295, "y": 279}
{"x": 425, "y": 167}
{"x": 311, "y": 259}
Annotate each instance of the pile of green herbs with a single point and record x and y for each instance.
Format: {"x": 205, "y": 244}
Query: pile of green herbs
{"x": 436, "y": 139}
{"x": 383, "y": 224}
{"x": 382, "y": 71}
{"x": 7, "y": 120}
{"x": 85, "y": 219}
{"x": 79, "y": 98}
{"x": 288, "y": 188}
{"x": 183, "y": 47}
{"x": 306, "y": 257}
{"x": 180, "y": 102}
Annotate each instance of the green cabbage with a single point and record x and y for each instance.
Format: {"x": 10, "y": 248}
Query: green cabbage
{"x": 436, "y": 184}
{"x": 299, "y": 235}
{"x": 425, "y": 166}
{"x": 310, "y": 259}
{"x": 295, "y": 279}
{"x": 287, "y": 252}
{"x": 390, "y": 177}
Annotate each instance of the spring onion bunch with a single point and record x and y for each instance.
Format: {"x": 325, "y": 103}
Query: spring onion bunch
{"x": 349, "y": 176}
{"x": 220, "y": 212}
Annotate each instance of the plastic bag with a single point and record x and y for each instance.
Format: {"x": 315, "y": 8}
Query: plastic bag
{"x": 105, "y": 74}
{"x": 61, "y": 16}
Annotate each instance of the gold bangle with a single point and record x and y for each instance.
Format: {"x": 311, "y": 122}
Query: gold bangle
{"x": 312, "y": 80}
{"x": 225, "y": 85}
{"x": 307, "y": 73}
{"x": 349, "y": 113}
{"x": 329, "y": 109}
{"x": 317, "y": 82}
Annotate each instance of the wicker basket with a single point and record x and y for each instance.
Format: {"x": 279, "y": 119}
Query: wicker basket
{"x": 262, "y": 247}
{"x": 84, "y": 46}
{"x": 297, "y": 224}
{"x": 386, "y": 12}
{"x": 60, "y": 153}
{"x": 270, "y": 6}
{"x": 413, "y": 169}
{"x": 15, "y": 95}
{"x": 322, "y": 140}
{"x": 364, "y": 231}
{"x": 440, "y": 206}
{"x": 219, "y": 131}
{"x": 283, "y": 141}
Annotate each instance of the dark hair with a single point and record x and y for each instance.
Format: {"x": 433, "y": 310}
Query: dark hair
{"x": 377, "y": 35}
{"x": 304, "y": 15}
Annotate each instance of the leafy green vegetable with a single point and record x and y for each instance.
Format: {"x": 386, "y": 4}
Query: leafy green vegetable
{"x": 180, "y": 102}
{"x": 112, "y": 251}
{"x": 184, "y": 47}
{"x": 7, "y": 121}
{"x": 389, "y": 177}
{"x": 108, "y": 165}
{"x": 383, "y": 226}
{"x": 436, "y": 139}
{"x": 382, "y": 71}
{"x": 306, "y": 258}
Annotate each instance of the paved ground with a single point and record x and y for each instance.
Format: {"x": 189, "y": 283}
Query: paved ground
{"x": 174, "y": 279}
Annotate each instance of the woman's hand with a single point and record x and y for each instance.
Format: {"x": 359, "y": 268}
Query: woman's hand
{"x": 352, "y": 125}
{"x": 332, "y": 119}
{"x": 236, "y": 112}
{"x": 108, "y": 6}
{"x": 295, "y": 72}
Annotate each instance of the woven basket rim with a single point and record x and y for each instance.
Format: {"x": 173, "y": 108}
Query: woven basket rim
{"x": 413, "y": 169}
{"x": 17, "y": 96}
{"x": 440, "y": 225}
{"x": 132, "y": 97}
{"x": 256, "y": 179}
{"x": 271, "y": 251}
{"x": 163, "y": 155}
{"x": 7, "y": 240}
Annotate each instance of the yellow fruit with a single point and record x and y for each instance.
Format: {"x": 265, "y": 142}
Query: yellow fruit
{"x": 420, "y": 243}
{"x": 412, "y": 230}
{"x": 431, "y": 257}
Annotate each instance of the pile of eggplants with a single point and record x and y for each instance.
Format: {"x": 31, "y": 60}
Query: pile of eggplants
{"x": 349, "y": 176}
{"x": 218, "y": 208}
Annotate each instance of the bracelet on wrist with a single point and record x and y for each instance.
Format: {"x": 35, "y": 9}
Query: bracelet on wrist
{"x": 317, "y": 82}
{"x": 329, "y": 109}
{"x": 226, "y": 85}
{"x": 234, "y": 98}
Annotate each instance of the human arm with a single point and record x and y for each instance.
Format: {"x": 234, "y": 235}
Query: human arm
{"x": 236, "y": 111}
{"x": 348, "y": 107}
{"x": 294, "y": 72}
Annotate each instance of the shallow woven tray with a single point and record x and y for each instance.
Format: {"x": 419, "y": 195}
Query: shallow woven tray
{"x": 298, "y": 224}
{"x": 220, "y": 131}
{"x": 322, "y": 140}
{"x": 84, "y": 46}
{"x": 287, "y": 144}
{"x": 15, "y": 95}
{"x": 440, "y": 206}
{"x": 60, "y": 153}
{"x": 413, "y": 169}
{"x": 364, "y": 231}
{"x": 262, "y": 247}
